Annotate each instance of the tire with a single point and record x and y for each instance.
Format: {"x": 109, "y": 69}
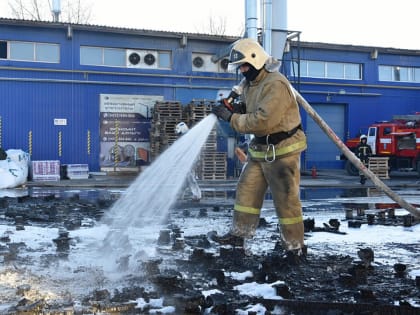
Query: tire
{"x": 418, "y": 168}
{"x": 351, "y": 169}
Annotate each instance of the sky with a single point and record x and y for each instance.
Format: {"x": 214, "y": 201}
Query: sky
{"x": 382, "y": 23}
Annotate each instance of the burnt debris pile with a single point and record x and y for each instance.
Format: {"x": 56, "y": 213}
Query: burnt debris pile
{"x": 70, "y": 213}
{"x": 195, "y": 275}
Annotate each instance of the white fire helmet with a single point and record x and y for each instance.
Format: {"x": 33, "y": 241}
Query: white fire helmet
{"x": 247, "y": 50}
{"x": 181, "y": 128}
{"x": 363, "y": 137}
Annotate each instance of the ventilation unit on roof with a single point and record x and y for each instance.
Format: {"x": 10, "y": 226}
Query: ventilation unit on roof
{"x": 224, "y": 64}
{"x": 133, "y": 58}
{"x": 143, "y": 59}
{"x": 203, "y": 62}
{"x": 198, "y": 62}
{"x": 150, "y": 59}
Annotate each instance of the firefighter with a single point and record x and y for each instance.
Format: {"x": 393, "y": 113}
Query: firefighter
{"x": 272, "y": 116}
{"x": 181, "y": 129}
{"x": 363, "y": 152}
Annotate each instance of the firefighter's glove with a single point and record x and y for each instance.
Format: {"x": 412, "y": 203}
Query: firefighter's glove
{"x": 222, "y": 112}
{"x": 239, "y": 108}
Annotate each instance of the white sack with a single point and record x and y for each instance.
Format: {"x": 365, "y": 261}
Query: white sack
{"x": 14, "y": 169}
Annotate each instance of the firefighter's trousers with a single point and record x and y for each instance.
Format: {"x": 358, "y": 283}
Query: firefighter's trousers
{"x": 283, "y": 178}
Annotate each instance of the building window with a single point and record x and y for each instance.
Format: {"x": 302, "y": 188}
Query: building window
{"x": 124, "y": 58}
{"x": 164, "y": 60}
{"x": 399, "y": 74}
{"x": 3, "y": 50}
{"x": 328, "y": 70}
{"x": 316, "y": 69}
{"x": 385, "y": 73}
{"x": 47, "y": 52}
{"x": 114, "y": 57}
{"x": 91, "y": 56}
{"x": 32, "y": 51}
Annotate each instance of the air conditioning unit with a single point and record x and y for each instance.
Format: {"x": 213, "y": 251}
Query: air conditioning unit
{"x": 150, "y": 59}
{"x": 223, "y": 65}
{"x": 143, "y": 59}
{"x": 134, "y": 58}
{"x": 203, "y": 62}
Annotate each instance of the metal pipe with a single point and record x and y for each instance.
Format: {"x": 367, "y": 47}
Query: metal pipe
{"x": 251, "y": 19}
{"x": 268, "y": 25}
{"x": 278, "y": 30}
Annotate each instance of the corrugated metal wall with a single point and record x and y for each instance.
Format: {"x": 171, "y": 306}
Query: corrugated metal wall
{"x": 34, "y": 94}
{"x": 52, "y": 110}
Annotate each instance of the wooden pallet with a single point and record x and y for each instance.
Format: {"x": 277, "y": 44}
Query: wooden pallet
{"x": 378, "y": 163}
{"x": 382, "y": 174}
{"x": 379, "y": 166}
{"x": 211, "y": 143}
{"x": 212, "y": 165}
{"x": 215, "y": 194}
{"x": 199, "y": 109}
{"x": 213, "y": 176}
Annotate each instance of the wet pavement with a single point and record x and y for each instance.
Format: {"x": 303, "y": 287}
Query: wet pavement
{"x": 323, "y": 178}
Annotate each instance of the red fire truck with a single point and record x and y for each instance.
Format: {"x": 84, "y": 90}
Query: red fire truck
{"x": 399, "y": 140}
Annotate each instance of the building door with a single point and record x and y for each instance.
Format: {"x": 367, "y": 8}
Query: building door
{"x": 322, "y": 152}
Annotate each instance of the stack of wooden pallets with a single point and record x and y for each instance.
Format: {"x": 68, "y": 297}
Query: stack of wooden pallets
{"x": 166, "y": 115}
{"x": 379, "y": 166}
{"x": 196, "y": 110}
{"x": 212, "y": 165}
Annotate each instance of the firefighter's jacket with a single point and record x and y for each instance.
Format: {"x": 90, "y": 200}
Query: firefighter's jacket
{"x": 271, "y": 108}
{"x": 363, "y": 152}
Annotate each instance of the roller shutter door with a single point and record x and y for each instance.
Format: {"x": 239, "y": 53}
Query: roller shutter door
{"x": 322, "y": 151}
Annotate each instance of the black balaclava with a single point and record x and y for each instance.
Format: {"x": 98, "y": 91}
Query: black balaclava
{"x": 251, "y": 74}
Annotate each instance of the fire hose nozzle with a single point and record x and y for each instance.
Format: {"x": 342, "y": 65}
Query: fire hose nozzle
{"x": 228, "y": 102}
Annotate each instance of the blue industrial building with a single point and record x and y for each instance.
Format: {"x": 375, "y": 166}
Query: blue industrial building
{"x": 351, "y": 87}
{"x": 54, "y": 78}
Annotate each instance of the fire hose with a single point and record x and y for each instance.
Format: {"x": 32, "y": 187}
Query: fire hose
{"x": 237, "y": 90}
{"x": 353, "y": 158}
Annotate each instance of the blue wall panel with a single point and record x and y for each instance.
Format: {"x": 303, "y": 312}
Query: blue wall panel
{"x": 34, "y": 94}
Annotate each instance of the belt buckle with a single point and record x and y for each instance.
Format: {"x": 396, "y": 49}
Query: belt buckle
{"x": 273, "y": 149}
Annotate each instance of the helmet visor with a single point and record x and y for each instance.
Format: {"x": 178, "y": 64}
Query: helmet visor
{"x": 236, "y": 56}
{"x": 236, "y": 59}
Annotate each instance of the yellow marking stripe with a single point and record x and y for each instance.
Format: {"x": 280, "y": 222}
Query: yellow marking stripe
{"x": 279, "y": 151}
{"x": 249, "y": 210}
{"x": 286, "y": 221}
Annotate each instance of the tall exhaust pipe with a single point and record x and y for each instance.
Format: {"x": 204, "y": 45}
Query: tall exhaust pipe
{"x": 251, "y": 19}
{"x": 275, "y": 26}
{"x": 56, "y": 10}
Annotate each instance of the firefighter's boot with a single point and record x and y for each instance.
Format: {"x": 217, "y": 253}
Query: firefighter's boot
{"x": 296, "y": 256}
